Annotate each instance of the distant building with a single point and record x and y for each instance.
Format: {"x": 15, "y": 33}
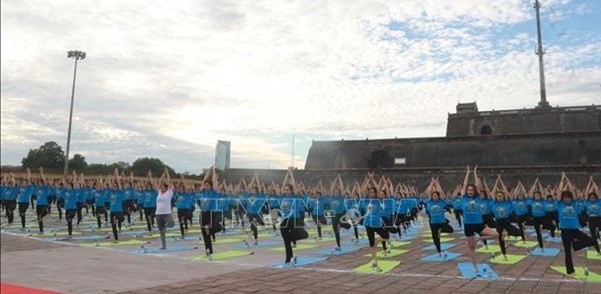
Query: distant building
{"x": 222, "y": 155}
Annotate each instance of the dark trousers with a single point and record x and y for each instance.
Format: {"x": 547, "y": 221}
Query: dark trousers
{"x": 573, "y": 238}
{"x": 292, "y": 230}
{"x": 22, "y": 210}
{"x": 505, "y": 225}
{"x": 436, "y": 230}
{"x": 594, "y": 224}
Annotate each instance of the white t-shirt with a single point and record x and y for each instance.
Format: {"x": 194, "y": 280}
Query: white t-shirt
{"x": 164, "y": 202}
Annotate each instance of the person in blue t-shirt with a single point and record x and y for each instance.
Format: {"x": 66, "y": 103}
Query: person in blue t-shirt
{"x": 150, "y": 205}
{"x": 182, "y": 203}
{"x": 457, "y": 210}
{"x": 99, "y": 203}
{"x": 338, "y": 210}
{"x": 593, "y": 213}
{"x": 10, "y": 194}
{"x": 539, "y": 217}
{"x": 116, "y": 209}
{"x": 207, "y": 199}
{"x": 254, "y": 204}
{"x": 436, "y": 207}
{"x": 520, "y": 212}
{"x": 292, "y": 227}
{"x": 41, "y": 203}
{"x": 353, "y": 209}
{"x": 70, "y": 197}
{"x": 24, "y": 193}
{"x": 317, "y": 205}
{"x": 473, "y": 223}
{"x": 129, "y": 196}
{"x": 372, "y": 220}
{"x": 569, "y": 224}
{"x": 501, "y": 210}
{"x": 551, "y": 214}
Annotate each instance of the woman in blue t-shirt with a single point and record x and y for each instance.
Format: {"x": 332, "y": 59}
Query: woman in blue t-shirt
{"x": 501, "y": 210}
{"x": 292, "y": 226}
{"x": 436, "y": 207}
{"x": 539, "y": 217}
{"x": 593, "y": 212}
{"x": 372, "y": 220}
{"x": 571, "y": 236}
{"x": 473, "y": 222}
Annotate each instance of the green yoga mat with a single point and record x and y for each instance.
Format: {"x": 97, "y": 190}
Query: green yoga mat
{"x": 592, "y": 254}
{"x": 324, "y": 239}
{"x": 384, "y": 266}
{"x": 395, "y": 244}
{"x": 58, "y": 234}
{"x": 153, "y": 236}
{"x": 442, "y": 240}
{"x": 511, "y": 259}
{"x": 298, "y": 247}
{"x": 527, "y": 244}
{"x": 120, "y": 243}
{"x": 224, "y": 255}
{"x": 579, "y": 274}
{"x": 228, "y": 240}
{"x": 491, "y": 249}
{"x": 393, "y": 253}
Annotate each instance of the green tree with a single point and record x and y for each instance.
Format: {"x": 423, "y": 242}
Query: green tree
{"x": 49, "y": 156}
{"x": 141, "y": 166}
{"x": 78, "y": 162}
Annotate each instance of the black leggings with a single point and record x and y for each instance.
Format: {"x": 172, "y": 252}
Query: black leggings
{"x": 182, "y": 216}
{"x": 22, "y": 210}
{"x": 149, "y": 214}
{"x": 70, "y": 215}
{"x": 254, "y": 220}
{"x": 292, "y": 230}
{"x": 520, "y": 221}
{"x": 576, "y": 239}
{"x": 41, "y": 212}
{"x": 436, "y": 230}
{"x": 319, "y": 220}
{"x": 539, "y": 223}
{"x": 337, "y": 224}
{"x": 116, "y": 221}
{"x": 458, "y": 213}
{"x": 10, "y": 206}
{"x": 371, "y": 235}
{"x": 594, "y": 224}
{"x": 505, "y": 225}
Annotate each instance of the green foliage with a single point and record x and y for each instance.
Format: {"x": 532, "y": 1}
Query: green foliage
{"x": 78, "y": 162}
{"x": 49, "y": 156}
{"x": 141, "y": 166}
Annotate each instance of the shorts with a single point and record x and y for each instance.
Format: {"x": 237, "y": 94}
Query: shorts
{"x": 472, "y": 229}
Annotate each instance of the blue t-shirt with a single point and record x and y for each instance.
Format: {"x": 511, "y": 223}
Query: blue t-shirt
{"x": 436, "y": 211}
{"x": 373, "y": 213}
{"x": 593, "y": 208}
{"x": 182, "y": 200}
{"x": 291, "y": 207}
{"x": 501, "y": 210}
{"x": 317, "y": 206}
{"x": 520, "y": 206}
{"x": 254, "y": 203}
{"x": 116, "y": 201}
{"x": 538, "y": 208}
{"x": 70, "y": 197}
{"x": 388, "y": 207}
{"x": 568, "y": 215}
{"x": 457, "y": 203}
{"x": 42, "y": 195}
{"x": 150, "y": 198}
{"x": 24, "y": 194}
{"x": 472, "y": 211}
{"x": 486, "y": 206}
{"x": 337, "y": 205}
{"x": 10, "y": 193}
{"x": 550, "y": 206}
{"x": 98, "y": 198}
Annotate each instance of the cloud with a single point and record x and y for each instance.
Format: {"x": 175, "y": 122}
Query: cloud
{"x": 168, "y": 79}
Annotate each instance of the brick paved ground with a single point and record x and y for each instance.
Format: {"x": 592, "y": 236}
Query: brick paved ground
{"x": 41, "y": 262}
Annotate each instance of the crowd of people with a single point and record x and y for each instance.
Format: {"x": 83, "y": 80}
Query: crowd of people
{"x": 381, "y": 207}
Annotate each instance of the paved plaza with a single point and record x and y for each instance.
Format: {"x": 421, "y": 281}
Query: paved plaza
{"x": 79, "y": 266}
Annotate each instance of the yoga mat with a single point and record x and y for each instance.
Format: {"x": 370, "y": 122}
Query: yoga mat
{"x": 92, "y": 237}
{"x": 442, "y": 240}
{"x": 511, "y": 259}
{"x": 443, "y": 246}
{"x": 592, "y": 254}
{"x": 553, "y": 240}
{"x": 547, "y": 252}
{"x": 262, "y": 244}
{"x": 491, "y": 249}
{"x": 428, "y": 234}
{"x": 436, "y": 258}
{"x": 141, "y": 233}
{"x": 224, "y": 255}
{"x": 393, "y": 253}
{"x": 343, "y": 250}
{"x": 111, "y": 244}
{"x": 579, "y": 274}
{"x": 173, "y": 248}
{"x": 527, "y": 244}
{"x": 298, "y": 247}
{"x": 324, "y": 239}
{"x": 168, "y": 235}
{"x": 544, "y": 235}
{"x": 395, "y": 244}
{"x": 484, "y": 271}
{"x": 360, "y": 242}
{"x": 228, "y": 240}
{"x": 300, "y": 261}
{"x": 384, "y": 266}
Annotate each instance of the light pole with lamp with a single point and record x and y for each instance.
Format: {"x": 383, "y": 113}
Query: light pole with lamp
{"x": 77, "y": 55}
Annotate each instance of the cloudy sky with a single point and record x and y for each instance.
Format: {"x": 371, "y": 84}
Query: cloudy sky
{"x": 167, "y": 79}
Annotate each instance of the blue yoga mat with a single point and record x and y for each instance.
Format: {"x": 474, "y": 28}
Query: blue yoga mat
{"x": 343, "y": 250}
{"x": 92, "y": 237}
{"x": 362, "y": 242}
{"x": 547, "y": 252}
{"x": 262, "y": 244}
{"x": 300, "y": 261}
{"x": 173, "y": 248}
{"x": 136, "y": 232}
{"x": 544, "y": 235}
{"x": 553, "y": 240}
{"x": 436, "y": 258}
{"x": 443, "y": 246}
{"x": 484, "y": 271}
